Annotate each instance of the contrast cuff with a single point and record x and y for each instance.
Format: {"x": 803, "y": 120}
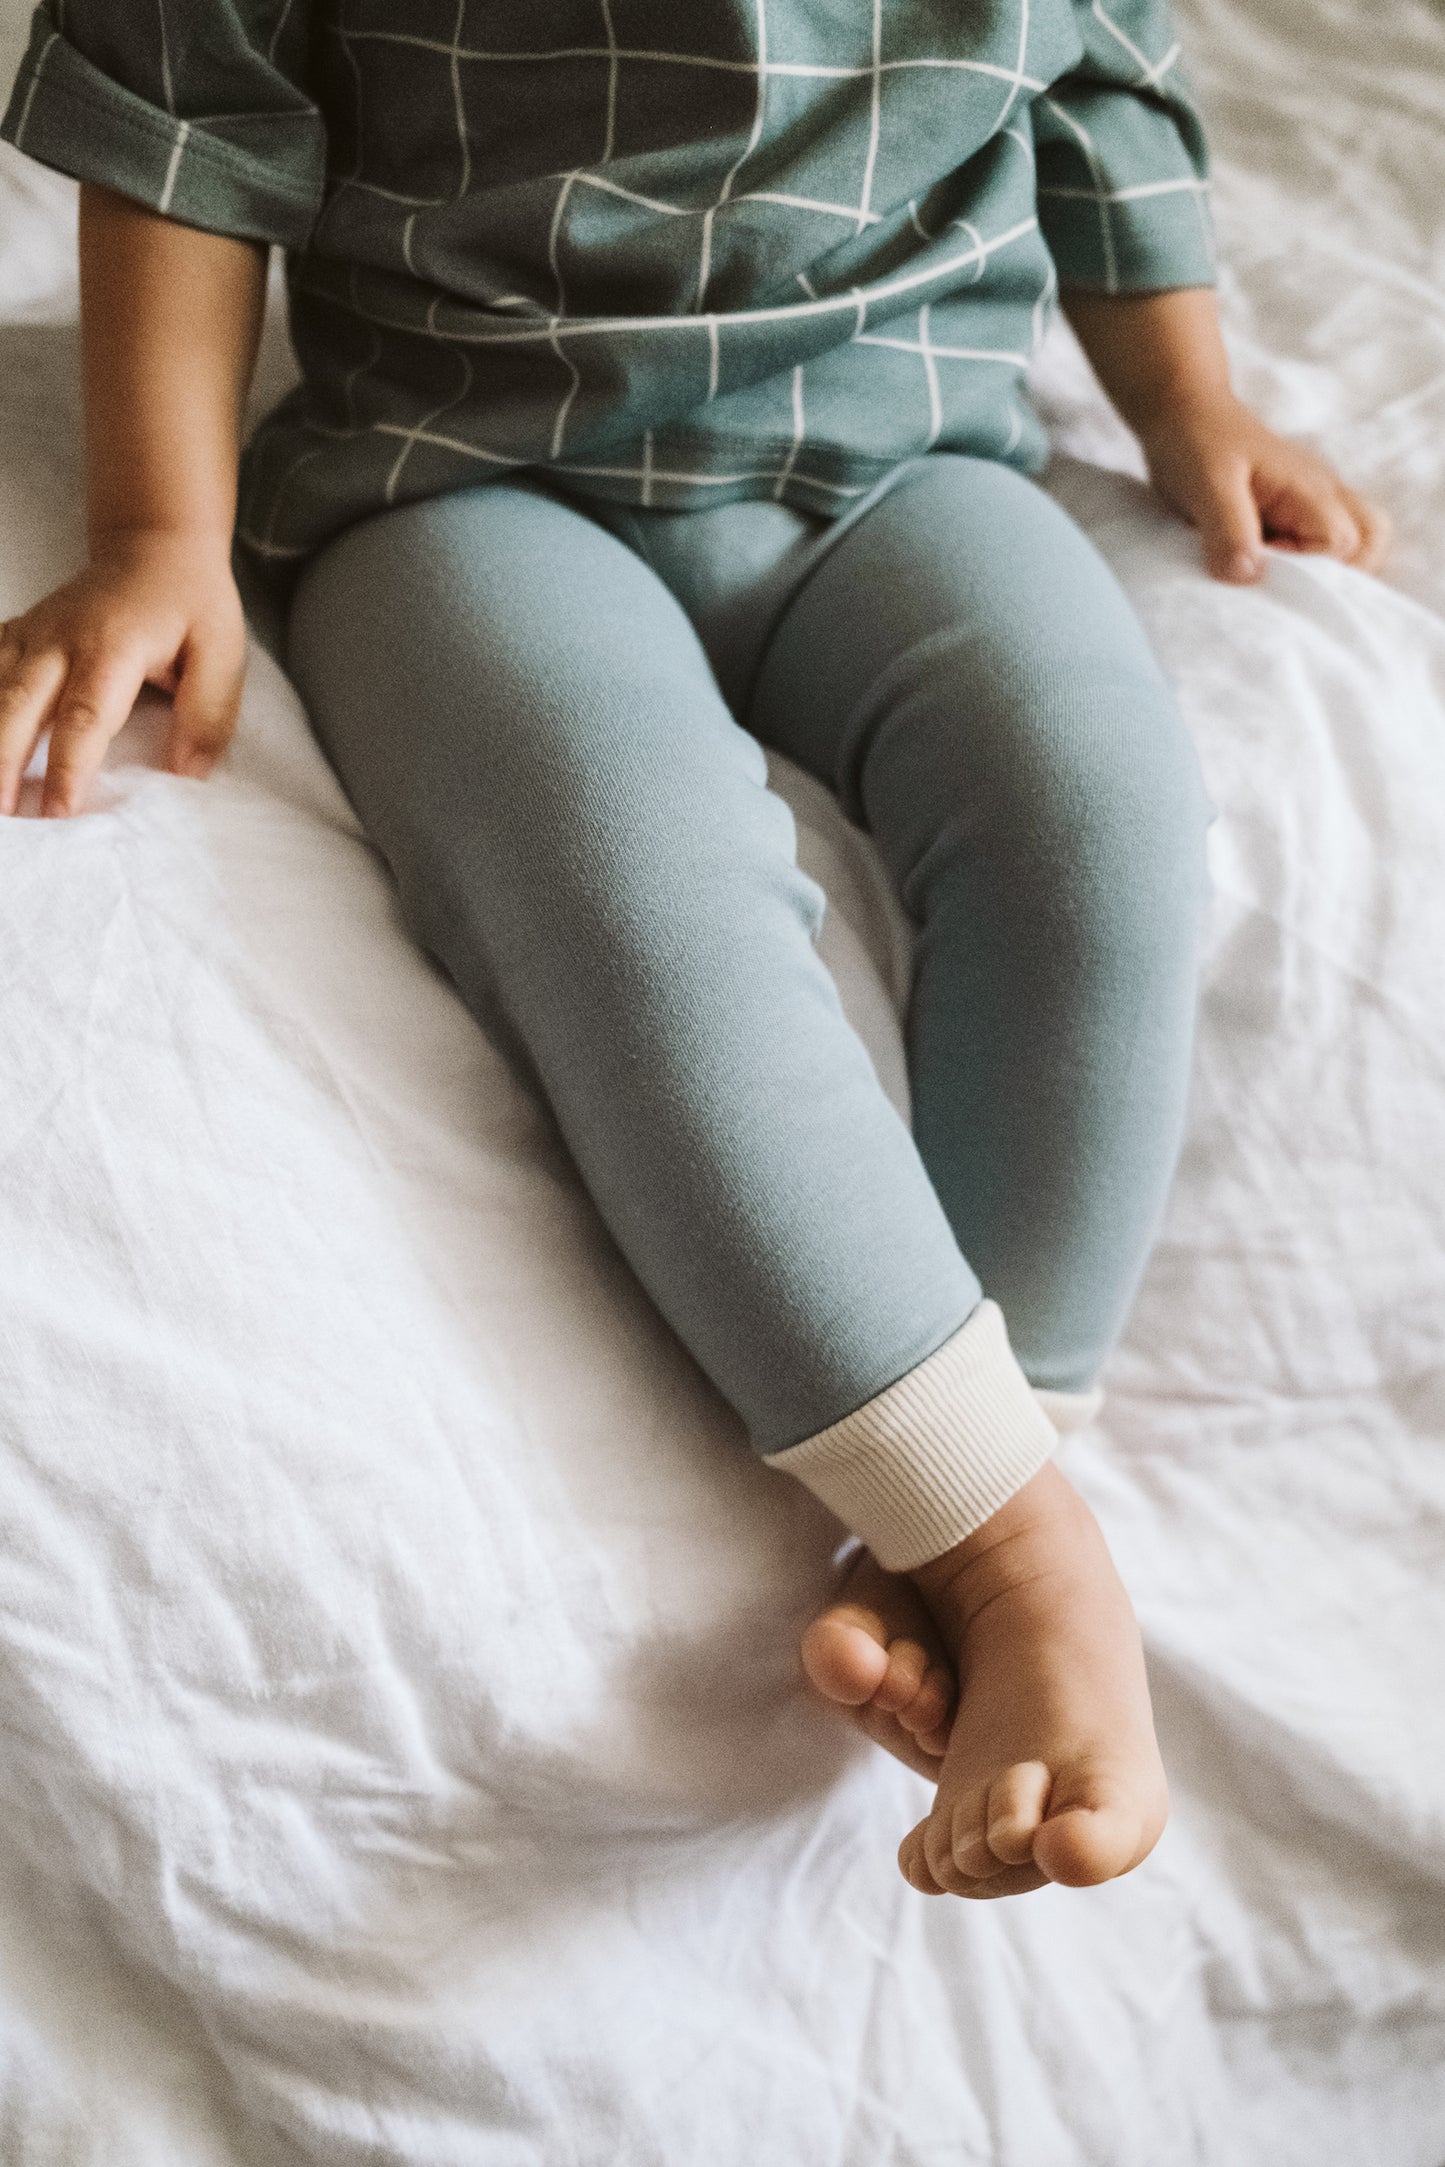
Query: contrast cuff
{"x": 254, "y": 176}
{"x": 934, "y": 1455}
{"x": 1069, "y": 1411}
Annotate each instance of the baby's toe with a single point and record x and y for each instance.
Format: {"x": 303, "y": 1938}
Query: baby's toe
{"x": 1097, "y": 1827}
{"x": 930, "y": 1864}
{"x": 879, "y": 1646}
{"x": 1088, "y": 1845}
{"x": 953, "y": 1845}
{"x": 878, "y": 1653}
{"x": 927, "y": 1715}
{"x": 913, "y": 1865}
{"x": 845, "y": 1654}
{"x": 992, "y": 1826}
{"x": 1017, "y": 1802}
{"x": 957, "y": 1836}
{"x": 1008, "y": 1881}
{"x": 902, "y": 1682}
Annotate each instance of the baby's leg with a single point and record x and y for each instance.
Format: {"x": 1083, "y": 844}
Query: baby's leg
{"x": 581, "y": 833}
{"x": 964, "y": 670}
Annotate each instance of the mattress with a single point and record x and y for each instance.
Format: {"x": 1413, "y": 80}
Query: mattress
{"x": 404, "y": 1756}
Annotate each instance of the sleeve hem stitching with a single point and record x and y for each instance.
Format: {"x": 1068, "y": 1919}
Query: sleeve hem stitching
{"x": 234, "y": 163}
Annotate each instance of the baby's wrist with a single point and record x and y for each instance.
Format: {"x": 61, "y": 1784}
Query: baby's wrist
{"x": 1202, "y": 409}
{"x": 200, "y": 553}
{"x": 123, "y": 528}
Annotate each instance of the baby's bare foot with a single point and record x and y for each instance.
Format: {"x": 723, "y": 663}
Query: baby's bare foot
{"x": 1052, "y": 1771}
{"x": 877, "y": 1652}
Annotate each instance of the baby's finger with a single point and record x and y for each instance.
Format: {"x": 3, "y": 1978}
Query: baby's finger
{"x": 207, "y": 696}
{"x": 98, "y": 696}
{"x": 27, "y": 689}
{"x": 1374, "y": 533}
{"x": 1229, "y": 525}
{"x": 1314, "y": 518}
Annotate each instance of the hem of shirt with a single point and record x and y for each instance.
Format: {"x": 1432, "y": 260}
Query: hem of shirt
{"x": 846, "y": 478}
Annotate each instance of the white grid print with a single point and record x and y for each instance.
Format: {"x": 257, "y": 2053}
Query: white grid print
{"x": 561, "y": 331}
{"x": 462, "y": 287}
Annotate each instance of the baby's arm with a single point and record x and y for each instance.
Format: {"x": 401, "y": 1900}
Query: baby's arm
{"x": 1161, "y": 359}
{"x": 170, "y": 317}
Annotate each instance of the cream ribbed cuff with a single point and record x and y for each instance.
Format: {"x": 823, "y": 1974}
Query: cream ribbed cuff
{"x": 1069, "y": 1410}
{"x": 935, "y": 1454}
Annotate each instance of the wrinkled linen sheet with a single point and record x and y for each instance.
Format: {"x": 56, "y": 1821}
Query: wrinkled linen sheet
{"x": 402, "y": 1758}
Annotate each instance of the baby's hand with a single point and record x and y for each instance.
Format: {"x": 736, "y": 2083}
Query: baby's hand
{"x": 155, "y": 608}
{"x": 1242, "y": 486}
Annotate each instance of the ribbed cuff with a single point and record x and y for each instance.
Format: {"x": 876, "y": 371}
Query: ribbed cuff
{"x": 1069, "y": 1410}
{"x": 935, "y": 1454}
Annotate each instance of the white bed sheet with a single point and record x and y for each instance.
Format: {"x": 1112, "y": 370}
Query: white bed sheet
{"x": 403, "y": 1757}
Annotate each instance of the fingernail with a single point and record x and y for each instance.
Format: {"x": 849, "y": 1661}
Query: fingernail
{"x": 197, "y": 765}
{"x": 1244, "y": 567}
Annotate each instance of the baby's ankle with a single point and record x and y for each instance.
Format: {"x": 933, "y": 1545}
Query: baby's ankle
{"x": 1044, "y": 1529}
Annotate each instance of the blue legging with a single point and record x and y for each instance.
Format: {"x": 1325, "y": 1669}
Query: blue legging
{"x": 532, "y": 703}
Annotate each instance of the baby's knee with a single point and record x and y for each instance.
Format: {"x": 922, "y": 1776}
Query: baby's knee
{"x": 1081, "y": 808}
{"x": 1123, "y": 774}
{"x": 1119, "y": 825}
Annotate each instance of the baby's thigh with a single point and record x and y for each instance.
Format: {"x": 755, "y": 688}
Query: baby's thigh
{"x": 491, "y": 634}
{"x": 509, "y": 695}
{"x": 964, "y": 656}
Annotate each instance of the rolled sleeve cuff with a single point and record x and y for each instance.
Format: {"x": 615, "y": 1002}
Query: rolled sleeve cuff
{"x": 1145, "y": 239}
{"x": 253, "y": 176}
{"x": 1123, "y": 188}
{"x": 934, "y": 1455}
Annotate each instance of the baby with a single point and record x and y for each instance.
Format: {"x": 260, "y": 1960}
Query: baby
{"x": 660, "y": 402}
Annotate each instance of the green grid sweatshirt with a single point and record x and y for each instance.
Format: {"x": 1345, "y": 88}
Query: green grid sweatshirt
{"x": 676, "y": 251}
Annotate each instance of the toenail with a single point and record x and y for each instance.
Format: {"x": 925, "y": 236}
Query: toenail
{"x": 975, "y": 1859}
